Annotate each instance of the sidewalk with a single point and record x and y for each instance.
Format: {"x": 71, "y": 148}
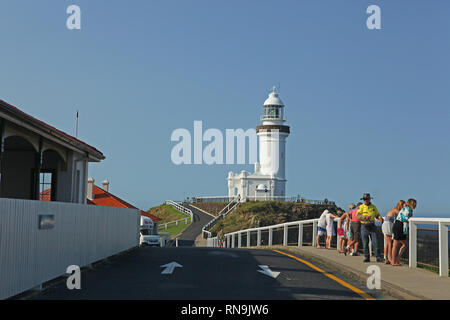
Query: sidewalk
{"x": 401, "y": 282}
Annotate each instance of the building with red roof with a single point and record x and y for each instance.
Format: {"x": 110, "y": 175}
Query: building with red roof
{"x": 102, "y": 197}
{"x": 35, "y": 156}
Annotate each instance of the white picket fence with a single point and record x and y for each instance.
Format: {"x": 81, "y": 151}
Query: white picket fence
{"x": 81, "y": 235}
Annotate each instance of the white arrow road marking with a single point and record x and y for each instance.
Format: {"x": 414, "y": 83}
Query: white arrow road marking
{"x": 266, "y": 270}
{"x": 170, "y": 267}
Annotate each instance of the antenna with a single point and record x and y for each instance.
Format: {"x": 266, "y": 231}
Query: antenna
{"x": 76, "y": 127}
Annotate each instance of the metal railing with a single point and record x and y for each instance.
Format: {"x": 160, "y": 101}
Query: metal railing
{"x": 212, "y": 199}
{"x": 288, "y": 199}
{"x": 222, "y": 214}
{"x": 297, "y": 199}
{"x": 443, "y": 223}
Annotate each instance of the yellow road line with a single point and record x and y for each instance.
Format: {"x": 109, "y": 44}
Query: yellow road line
{"x": 345, "y": 284}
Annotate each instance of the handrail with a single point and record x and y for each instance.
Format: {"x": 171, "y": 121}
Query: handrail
{"x": 179, "y": 207}
{"x": 443, "y": 224}
{"x": 222, "y": 214}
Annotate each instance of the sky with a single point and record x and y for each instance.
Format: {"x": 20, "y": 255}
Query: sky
{"x": 368, "y": 109}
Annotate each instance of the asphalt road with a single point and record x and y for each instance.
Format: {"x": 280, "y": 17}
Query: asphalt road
{"x": 187, "y": 238}
{"x": 203, "y": 274}
{"x": 206, "y": 274}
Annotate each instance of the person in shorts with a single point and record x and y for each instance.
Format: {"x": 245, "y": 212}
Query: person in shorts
{"x": 387, "y": 230}
{"x": 355, "y": 229}
{"x": 401, "y": 231}
{"x": 330, "y": 229}
{"x": 321, "y": 227}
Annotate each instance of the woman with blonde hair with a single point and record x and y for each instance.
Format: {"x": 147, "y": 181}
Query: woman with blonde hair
{"x": 387, "y": 230}
{"x": 401, "y": 230}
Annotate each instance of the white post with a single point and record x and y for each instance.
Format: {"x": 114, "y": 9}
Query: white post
{"x": 300, "y": 234}
{"x": 248, "y": 239}
{"x": 314, "y": 242}
{"x": 258, "y": 238}
{"x": 186, "y": 220}
{"x": 285, "y": 236}
{"x": 270, "y": 236}
{"x": 412, "y": 245}
{"x": 239, "y": 239}
{"x": 232, "y": 240}
{"x": 176, "y": 242}
{"x": 443, "y": 249}
{"x": 228, "y": 241}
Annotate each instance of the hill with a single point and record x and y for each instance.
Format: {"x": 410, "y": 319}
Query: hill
{"x": 166, "y": 213}
{"x": 252, "y": 214}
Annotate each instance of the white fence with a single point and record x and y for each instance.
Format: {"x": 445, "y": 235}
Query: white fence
{"x": 230, "y": 238}
{"x": 221, "y": 215}
{"x": 443, "y": 224}
{"x": 164, "y": 226}
{"x": 81, "y": 235}
{"x": 180, "y": 208}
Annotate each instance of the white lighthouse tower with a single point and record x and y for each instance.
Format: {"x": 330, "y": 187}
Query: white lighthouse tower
{"x": 269, "y": 179}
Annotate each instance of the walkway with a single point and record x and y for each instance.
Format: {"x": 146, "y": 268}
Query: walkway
{"x": 401, "y": 282}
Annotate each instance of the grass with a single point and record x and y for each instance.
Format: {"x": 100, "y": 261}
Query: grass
{"x": 175, "y": 230}
{"x": 252, "y": 214}
{"x": 167, "y": 213}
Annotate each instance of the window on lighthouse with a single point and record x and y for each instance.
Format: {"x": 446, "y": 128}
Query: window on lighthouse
{"x": 271, "y": 112}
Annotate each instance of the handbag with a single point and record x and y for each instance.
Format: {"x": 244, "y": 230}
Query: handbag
{"x": 340, "y": 231}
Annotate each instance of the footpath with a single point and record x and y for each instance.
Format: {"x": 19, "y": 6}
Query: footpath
{"x": 400, "y": 282}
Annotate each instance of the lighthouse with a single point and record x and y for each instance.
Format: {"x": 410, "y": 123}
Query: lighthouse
{"x": 269, "y": 178}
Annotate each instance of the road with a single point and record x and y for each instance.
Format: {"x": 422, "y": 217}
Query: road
{"x": 187, "y": 238}
{"x": 202, "y": 274}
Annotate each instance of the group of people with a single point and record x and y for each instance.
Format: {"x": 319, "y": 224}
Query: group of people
{"x": 359, "y": 223}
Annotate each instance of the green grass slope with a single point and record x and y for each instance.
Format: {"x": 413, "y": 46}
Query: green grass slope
{"x": 252, "y": 214}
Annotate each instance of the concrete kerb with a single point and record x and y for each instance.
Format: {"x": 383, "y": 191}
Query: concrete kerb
{"x": 386, "y": 287}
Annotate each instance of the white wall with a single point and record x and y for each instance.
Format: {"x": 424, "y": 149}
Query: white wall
{"x": 82, "y": 235}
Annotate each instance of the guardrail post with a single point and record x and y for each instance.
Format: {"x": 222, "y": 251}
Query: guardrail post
{"x": 285, "y": 236}
{"x": 443, "y": 249}
{"x": 270, "y": 236}
{"x": 186, "y": 221}
{"x": 412, "y": 245}
{"x": 239, "y": 239}
{"x": 248, "y": 239}
{"x": 300, "y": 234}
{"x": 314, "y": 242}
{"x": 232, "y": 240}
{"x": 258, "y": 238}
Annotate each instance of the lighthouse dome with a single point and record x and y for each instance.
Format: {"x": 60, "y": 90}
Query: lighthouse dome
{"x": 273, "y": 99}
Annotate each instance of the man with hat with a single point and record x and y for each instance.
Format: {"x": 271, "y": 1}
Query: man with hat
{"x": 367, "y": 214}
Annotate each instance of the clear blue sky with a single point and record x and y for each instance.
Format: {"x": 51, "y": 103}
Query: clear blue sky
{"x": 368, "y": 110}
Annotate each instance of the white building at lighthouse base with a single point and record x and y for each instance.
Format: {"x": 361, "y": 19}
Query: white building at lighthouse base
{"x": 255, "y": 185}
